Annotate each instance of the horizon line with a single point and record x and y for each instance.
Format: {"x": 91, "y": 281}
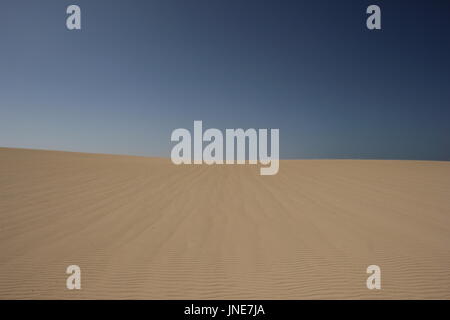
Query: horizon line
{"x": 168, "y": 157}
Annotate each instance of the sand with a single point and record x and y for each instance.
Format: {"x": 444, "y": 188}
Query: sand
{"x": 143, "y": 228}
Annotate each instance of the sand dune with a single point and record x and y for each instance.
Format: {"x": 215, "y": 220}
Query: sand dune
{"x": 143, "y": 228}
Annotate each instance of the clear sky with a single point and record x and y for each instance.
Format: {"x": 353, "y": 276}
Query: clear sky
{"x": 139, "y": 69}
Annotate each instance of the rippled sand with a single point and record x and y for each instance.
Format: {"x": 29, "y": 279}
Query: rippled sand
{"x": 143, "y": 228}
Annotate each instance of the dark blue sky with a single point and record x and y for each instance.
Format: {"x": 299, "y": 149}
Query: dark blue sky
{"x": 139, "y": 69}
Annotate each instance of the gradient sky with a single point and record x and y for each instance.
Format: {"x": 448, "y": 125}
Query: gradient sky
{"x": 139, "y": 69}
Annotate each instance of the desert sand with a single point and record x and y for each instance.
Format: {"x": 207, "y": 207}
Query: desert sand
{"x": 143, "y": 228}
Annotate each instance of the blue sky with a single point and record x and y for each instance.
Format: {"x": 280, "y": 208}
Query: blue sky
{"x": 139, "y": 69}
